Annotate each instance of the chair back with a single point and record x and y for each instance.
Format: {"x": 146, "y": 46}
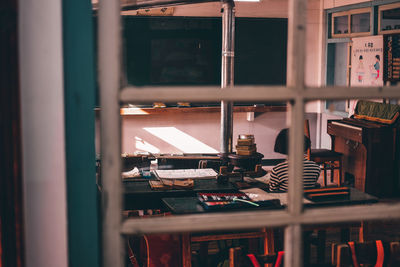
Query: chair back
{"x": 307, "y": 133}
{"x": 371, "y": 253}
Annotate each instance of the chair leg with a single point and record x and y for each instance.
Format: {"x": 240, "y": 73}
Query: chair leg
{"x": 234, "y": 257}
{"x": 340, "y": 172}
{"x": 186, "y": 251}
{"x": 325, "y": 174}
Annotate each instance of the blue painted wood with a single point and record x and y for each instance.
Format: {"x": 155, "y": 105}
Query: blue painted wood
{"x": 79, "y": 86}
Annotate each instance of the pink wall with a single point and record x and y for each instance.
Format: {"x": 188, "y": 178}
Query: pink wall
{"x": 140, "y": 131}
{"x": 177, "y": 133}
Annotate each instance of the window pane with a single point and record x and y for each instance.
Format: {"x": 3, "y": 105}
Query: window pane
{"x": 360, "y": 22}
{"x": 165, "y": 51}
{"x": 341, "y": 25}
{"x": 328, "y": 244}
{"x": 390, "y": 19}
{"x": 206, "y": 248}
{"x": 337, "y": 73}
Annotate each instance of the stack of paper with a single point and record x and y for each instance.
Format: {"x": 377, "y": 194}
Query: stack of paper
{"x": 186, "y": 174}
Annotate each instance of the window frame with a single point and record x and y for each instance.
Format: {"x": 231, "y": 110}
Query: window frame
{"x": 296, "y": 93}
{"x": 349, "y": 13}
{"x": 384, "y": 8}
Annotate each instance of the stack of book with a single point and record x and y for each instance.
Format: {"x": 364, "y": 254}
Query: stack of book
{"x": 246, "y": 145}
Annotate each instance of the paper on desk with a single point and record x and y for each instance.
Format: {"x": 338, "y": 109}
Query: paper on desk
{"x": 132, "y": 173}
{"x": 257, "y": 194}
{"x": 186, "y": 174}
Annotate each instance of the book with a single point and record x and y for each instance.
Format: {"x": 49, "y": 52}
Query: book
{"x": 245, "y": 142}
{"x": 249, "y": 147}
{"x": 245, "y": 152}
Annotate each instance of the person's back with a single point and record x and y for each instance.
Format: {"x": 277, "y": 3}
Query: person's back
{"x": 280, "y": 173}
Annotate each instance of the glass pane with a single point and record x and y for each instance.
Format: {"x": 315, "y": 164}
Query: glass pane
{"x": 390, "y": 19}
{"x": 220, "y": 248}
{"x": 327, "y": 245}
{"x": 360, "y": 22}
{"x": 164, "y": 51}
{"x": 337, "y": 73}
{"x": 341, "y": 25}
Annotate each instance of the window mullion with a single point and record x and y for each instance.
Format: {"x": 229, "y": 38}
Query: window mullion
{"x": 297, "y": 11}
{"x": 109, "y": 79}
{"x": 293, "y": 244}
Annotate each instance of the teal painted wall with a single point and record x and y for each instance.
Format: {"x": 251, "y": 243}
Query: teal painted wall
{"x": 79, "y": 86}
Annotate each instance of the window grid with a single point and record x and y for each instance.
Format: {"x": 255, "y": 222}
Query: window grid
{"x": 296, "y": 94}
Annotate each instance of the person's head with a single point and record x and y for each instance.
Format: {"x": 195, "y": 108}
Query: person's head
{"x": 282, "y": 142}
{"x": 378, "y": 58}
{"x": 361, "y": 57}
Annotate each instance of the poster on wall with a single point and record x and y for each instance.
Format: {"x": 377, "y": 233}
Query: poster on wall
{"x": 366, "y": 59}
{"x": 366, "y": 64}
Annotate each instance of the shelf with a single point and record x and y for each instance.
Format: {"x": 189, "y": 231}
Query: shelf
{"x": 169, "y": 110}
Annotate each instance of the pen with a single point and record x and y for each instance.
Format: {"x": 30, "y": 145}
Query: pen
{"x": 245, "y": 201}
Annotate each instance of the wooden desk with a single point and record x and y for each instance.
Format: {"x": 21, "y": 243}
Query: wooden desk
{"x": 139, "y": 195}
{"x": 188, "y": 205}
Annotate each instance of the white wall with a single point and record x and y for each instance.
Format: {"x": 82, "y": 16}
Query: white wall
{"x": 42, "y": 103}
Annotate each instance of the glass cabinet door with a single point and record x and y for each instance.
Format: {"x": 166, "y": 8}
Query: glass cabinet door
{"x": 360, "y": 22}
{"x": 389, "y": 19}
{"x": 351, "y": 23}
{"x": 341, "y": 24}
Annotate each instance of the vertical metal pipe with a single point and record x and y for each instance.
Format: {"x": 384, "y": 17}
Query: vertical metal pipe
{"x": 109, "y": 78}
{"x": 227, "y": 73}
{"x": 295, "y": 80}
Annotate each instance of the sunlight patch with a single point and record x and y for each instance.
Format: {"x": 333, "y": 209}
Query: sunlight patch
{"x": 180, "y": 140}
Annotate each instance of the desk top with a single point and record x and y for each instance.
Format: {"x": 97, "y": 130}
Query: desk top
{"x": 202, "y": 185}
{"x": 186, "y": 205}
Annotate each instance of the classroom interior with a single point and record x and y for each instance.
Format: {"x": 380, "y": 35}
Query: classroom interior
{"x": 142, "y": 133}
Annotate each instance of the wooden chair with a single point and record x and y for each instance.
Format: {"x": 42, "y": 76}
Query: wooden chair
{"x": 366, "y": 253}
{"x": 328, "y": 159}
{"x": 237, "y": 259}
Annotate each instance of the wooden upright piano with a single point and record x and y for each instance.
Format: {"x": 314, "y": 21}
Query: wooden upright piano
{"x": 370, "y": 147}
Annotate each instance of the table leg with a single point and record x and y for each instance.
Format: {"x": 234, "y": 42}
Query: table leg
{"x": 186, "y": 251}
{"x": 321, "y": 246}
{"x": 203, "y": 253}
{"x": 306, "y": 247}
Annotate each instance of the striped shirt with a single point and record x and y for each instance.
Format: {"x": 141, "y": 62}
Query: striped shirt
{"x": 280, "y": 173}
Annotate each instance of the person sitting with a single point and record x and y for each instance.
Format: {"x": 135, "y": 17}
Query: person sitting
{"x": 280, "y": 173}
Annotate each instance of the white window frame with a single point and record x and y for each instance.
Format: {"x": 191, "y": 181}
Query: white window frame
{"x": 296, "y": 93}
